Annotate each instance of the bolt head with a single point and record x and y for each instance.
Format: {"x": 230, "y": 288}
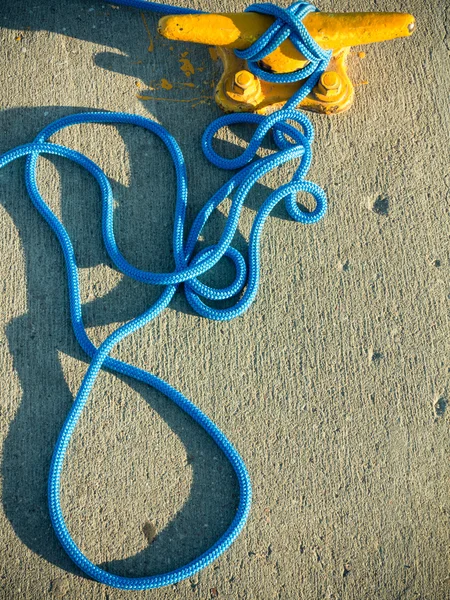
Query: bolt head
{"x": 330, "y": 80}
{"x": 244, "y": 79}
{"x": 330, "y": 84}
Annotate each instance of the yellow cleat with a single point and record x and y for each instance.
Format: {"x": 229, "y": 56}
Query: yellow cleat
{"x": 240, "y": 91}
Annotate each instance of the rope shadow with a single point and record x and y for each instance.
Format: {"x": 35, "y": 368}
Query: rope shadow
{"x": 36, "y": 337}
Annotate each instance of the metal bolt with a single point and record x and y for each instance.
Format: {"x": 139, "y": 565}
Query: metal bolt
{"x": 330, "y": 84}
{"x": 243, "y": 81}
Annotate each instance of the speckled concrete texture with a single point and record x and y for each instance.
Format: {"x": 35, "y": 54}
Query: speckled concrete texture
{"x": 334, "y": 386}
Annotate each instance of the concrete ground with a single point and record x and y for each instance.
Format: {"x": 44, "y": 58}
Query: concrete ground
{"x": 334, "y": 386}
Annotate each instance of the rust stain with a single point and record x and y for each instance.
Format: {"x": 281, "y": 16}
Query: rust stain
{"x": 149, "y": 33}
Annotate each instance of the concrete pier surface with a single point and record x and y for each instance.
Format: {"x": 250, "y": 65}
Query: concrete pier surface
{"x": 334, "y": 386}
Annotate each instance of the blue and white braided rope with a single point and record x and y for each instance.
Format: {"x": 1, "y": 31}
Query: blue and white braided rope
{"x": 293, "y": 133}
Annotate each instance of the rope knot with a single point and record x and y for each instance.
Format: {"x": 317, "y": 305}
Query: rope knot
{"x": 288, "y": 24}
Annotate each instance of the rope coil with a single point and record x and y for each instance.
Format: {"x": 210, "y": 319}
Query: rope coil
{"x": 293, "y": 134}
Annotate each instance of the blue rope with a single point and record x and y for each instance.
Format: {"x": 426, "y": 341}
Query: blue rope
{"x": 293, "y": 133}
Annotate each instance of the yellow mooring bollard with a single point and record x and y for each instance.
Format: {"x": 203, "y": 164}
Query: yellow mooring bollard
{"x": 240, "y": 91}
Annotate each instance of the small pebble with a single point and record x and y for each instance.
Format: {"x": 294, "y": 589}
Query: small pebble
{"x": 149, "y": 531}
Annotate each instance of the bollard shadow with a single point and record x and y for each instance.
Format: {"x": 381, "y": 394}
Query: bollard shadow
{"x": 132, "y": 33}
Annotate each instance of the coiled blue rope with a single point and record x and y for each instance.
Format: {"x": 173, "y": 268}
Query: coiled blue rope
{"x": 293, "y": 134}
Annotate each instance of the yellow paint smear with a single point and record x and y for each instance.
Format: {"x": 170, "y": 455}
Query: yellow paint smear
{"x": 174, "y": 99}
{"x": 187, "y": 67}
{"x": 166, "y": 85}
{"x": 149, "y": 33}
{"x": 213, "y": 53}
